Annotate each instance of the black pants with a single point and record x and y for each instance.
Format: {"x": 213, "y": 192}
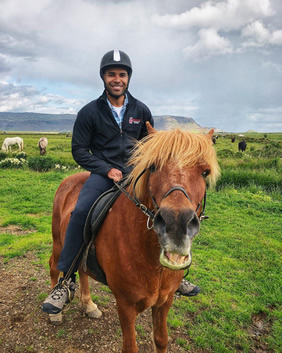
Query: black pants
{"x": 94, "y": 186}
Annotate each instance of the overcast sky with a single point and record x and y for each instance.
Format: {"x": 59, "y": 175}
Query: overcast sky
{"x": 219, "y": 62}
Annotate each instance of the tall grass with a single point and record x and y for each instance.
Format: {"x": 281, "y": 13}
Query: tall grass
{"x": 259, "y": 167}
{"x": 268, "y": 180}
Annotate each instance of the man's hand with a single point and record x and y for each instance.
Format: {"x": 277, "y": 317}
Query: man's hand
{"x": 115, "y": 174}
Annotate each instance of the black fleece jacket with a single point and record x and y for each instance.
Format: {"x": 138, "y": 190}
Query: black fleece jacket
{"x": 98, "y": 144}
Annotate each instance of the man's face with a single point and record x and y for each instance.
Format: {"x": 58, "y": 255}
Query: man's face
{"x": 116, "y": 81}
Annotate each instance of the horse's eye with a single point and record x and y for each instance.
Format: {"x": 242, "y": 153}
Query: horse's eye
{"x": 206, "y": 173}
{"x": 153, "y": 168}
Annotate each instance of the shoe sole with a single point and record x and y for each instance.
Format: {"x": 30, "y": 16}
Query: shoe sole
{"x": 50, "y": 309}
{"x": 190, "y": 294}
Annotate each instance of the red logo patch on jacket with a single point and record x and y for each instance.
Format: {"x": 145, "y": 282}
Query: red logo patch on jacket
{"x": 134, "y": 121}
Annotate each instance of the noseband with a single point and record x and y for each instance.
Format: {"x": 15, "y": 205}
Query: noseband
{"x": 150, "y": 213}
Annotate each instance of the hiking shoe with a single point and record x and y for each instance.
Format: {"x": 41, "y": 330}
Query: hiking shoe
{"x": 188, "y": 289}
{"x": 61, "y": 294}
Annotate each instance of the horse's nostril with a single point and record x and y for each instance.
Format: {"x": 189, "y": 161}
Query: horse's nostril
{"x": 159, "y": 223}
{"x": 193, "y": 225}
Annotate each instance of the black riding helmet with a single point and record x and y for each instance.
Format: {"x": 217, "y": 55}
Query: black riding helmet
{"x": 115, "y": 58}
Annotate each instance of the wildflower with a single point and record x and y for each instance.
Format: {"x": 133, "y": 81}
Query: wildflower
{"x": 11, "y": 163}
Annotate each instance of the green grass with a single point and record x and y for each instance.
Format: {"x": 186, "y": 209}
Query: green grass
{"x": 236, "y": 256}
{"x": 59, "y": 147}
{"x": 26, "y": 202}
{"x": 61, "y": 333}
{"x": 141, "y": 331}
{"x": 237, "y": 264}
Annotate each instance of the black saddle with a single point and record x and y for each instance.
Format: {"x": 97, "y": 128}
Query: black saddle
{"x": 94, "y": 220}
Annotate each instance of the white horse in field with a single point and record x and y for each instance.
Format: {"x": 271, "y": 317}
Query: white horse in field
{"x": 42, "y": 143}
{"x": 10, "y": 141}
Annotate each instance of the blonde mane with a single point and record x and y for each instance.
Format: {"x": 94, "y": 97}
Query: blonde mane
{"x": 183, "y": 147}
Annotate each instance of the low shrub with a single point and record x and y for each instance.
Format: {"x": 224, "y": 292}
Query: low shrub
{"x": 269, "y": 180}
{"x": 271, "y": 150}
{"x": 225, "y": 153}
{"x": 238, "y": 155}
{"x": 21, "y": 155}
{"x": 59, "y": 167}
{"x": 3, "y": 155}
{"x": 12, "y": 163}
{"x": 41, "y": 164}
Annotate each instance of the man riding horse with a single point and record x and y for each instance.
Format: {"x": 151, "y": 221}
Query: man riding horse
{"x": 102, "y": 140}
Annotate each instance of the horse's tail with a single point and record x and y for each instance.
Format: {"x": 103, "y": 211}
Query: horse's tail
{"x": 22, "y": 144}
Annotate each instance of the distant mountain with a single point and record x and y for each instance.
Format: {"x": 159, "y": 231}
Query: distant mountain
{"x": 167, "y": 122}
{"x": 36, "y": 122}
{"x": 64, "y": 122}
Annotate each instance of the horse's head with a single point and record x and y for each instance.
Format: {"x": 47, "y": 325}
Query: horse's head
{"x": 178, "y": 164}
{"x": 178, "y": 193}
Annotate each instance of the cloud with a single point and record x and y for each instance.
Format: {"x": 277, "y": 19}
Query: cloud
{"x": 17, "y": 45}
{"x": 259, "y": 35}
{"x": 220, "y": 24}
{"x": 4, "y": 66}
{"x": 271, "y": 65}
{"x": 208, "y": 59}
{"x": 19, "y": 98}
{"x": 266, "y": 119}
{"x": 224, "y": 15}
{"x": 210, "y": 44}
{"x": 174, "y": 108}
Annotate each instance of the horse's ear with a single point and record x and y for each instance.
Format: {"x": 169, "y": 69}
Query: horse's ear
{"x": 150, "y": 128}
{"x": 210, "y": 133}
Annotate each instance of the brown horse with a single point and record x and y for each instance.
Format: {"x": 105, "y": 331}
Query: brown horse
{"x": 42, "y": 144}
{"x": 142, "y": 256}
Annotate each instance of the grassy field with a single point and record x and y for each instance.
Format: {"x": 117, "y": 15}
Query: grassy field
{"x": 236, "y": 256}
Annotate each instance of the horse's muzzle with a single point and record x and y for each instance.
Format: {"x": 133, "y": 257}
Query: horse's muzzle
{"x": 176, "y": 230}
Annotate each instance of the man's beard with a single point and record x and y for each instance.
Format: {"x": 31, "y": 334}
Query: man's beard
{"x": 116, "y": 96}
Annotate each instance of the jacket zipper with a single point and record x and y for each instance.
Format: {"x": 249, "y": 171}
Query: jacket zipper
{"x": 121, "y": 131}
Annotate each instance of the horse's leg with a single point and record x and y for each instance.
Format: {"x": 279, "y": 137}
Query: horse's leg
{"x": 55, "y": 319}
{"x": 160, "y": 336}
{"x": 54, "y": 272}
{"x": 127, "y": 317}
{"x": 86, "y": 302}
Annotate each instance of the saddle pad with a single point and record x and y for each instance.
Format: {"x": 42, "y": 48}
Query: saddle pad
{"x": 98, "y": 212}
{"x": 94, "y": 220}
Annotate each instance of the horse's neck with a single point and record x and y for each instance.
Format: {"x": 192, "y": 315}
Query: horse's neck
{"x": 145, "y": 239}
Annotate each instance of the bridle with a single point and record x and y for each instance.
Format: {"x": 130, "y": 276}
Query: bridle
{"x": 151, "y": 213}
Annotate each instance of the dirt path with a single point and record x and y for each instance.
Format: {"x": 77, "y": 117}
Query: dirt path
{"x": 25, "y": 328}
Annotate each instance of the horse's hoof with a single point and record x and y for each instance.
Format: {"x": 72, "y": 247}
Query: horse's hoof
{"x": 94, "y": 314}
{"x": 56, "y": 319}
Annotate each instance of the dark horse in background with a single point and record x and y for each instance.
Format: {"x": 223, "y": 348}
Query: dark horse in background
{"x": 242, "y": 145}
{"x": 143, "y": 257}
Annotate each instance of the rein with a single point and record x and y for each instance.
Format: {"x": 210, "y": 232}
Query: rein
{"x": 150, "y": 213}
